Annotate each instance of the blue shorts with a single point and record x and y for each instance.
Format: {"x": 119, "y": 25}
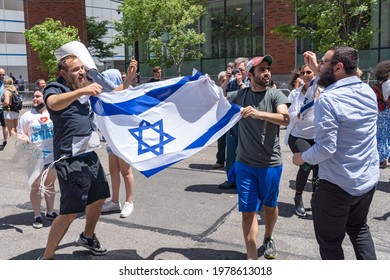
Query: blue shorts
{"x": 257, "y": 186}
{"x": 82, "y": 181}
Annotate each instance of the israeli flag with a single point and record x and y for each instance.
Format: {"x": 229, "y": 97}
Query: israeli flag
{"x": 155, "y": 125}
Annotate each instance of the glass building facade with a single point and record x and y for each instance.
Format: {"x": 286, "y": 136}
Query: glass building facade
{"x": 380, "y": 47}
{"x": 233, "y": 29}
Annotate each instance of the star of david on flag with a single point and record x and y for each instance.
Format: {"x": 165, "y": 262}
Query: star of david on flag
{"x": 155, "y": 125}
{"x": 144, "y": 146}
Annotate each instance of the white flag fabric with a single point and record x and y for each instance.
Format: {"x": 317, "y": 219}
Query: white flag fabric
{"x": 28, "y": 155}
{"x": 155, "y": 125}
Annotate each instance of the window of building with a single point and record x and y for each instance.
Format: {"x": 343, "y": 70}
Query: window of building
{"x": 14, "y": 38}
{"x": 15, "y": 5}
{"x": 385, "y": 24}
{"x": 2, "y": 37}
{"x": 233, "y": 28}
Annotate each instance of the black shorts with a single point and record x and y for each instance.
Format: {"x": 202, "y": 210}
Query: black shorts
{"x": 2, "y": 121}
{"x": 82, "y": 181}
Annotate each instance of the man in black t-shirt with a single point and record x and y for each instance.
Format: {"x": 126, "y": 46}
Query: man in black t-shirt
{"x": 82, "y": 180}
{"x": 157, "y": 72}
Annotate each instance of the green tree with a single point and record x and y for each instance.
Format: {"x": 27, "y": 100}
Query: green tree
{"x": 332, "y": 22}
{"x": 45, "y": 38}
{"x": 168, "y": 28}
{"x": 95, "y": 32}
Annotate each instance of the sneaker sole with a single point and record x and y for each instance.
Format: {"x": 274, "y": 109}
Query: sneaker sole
{"x": 37, "y": 226}
{"x": 125, "y": 215}
{"x": 111, "y": 211}
{"x": 79, "y": 242}
{"x": 270, "y": 257}
{"x": 300, "y": 214}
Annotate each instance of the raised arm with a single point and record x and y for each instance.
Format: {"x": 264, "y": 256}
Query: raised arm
{"x": 58, "y": 102}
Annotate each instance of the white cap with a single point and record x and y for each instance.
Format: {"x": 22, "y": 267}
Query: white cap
{"x": 78, "y": 49}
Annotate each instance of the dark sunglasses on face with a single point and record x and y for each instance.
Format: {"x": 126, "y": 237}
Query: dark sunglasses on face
{"x": 306, "y": 72}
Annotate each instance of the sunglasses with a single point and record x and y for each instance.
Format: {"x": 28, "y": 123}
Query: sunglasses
{"x": 306, "y": 72}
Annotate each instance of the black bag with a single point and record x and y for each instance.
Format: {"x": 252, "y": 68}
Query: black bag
{"x": 16, "y": 103}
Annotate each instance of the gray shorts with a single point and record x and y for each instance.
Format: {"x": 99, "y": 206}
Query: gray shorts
{"x": 82, "y": 181}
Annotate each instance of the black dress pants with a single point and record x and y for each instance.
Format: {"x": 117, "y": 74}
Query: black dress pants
{"x": 335, "y": 212}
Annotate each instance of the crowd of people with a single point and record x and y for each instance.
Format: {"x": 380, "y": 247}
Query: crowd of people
{"x": 337, "y": 129}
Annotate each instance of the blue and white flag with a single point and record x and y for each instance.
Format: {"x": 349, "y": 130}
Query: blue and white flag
{"x": 155, "y": 125}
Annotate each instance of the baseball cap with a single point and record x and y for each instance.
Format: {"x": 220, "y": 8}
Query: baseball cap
{"x": 257, "y": 60}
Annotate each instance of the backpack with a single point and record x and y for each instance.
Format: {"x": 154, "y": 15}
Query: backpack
{"x": 16, "y": 103}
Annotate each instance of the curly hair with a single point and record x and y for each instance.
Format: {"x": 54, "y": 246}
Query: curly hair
{"x": 382, "y": 70}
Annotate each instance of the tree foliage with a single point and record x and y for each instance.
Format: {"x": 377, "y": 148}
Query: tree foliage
{"x": 45, "y": 38}
{"x": 168, "y": 29}
{"x": 327, "y": 23}
{"x": 95, "y": 33}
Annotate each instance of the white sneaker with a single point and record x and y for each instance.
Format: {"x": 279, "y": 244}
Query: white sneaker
{"x": 110, "y": 206}
{"x": 128, "y": 208}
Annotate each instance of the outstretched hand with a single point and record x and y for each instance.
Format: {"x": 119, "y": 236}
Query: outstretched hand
{"x": 132, "y": 70}
{"x": 93, "y": 89}
{"x": 310, "y": 59}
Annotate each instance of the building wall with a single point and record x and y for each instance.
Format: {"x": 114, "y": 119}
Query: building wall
{"x": 69, "y": 12}
{"x": 283, "y": 51}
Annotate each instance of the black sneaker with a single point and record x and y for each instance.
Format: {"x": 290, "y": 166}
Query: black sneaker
{"x": 217, "y": 165}
{"x": 91, "y": 244}
{"x": 270, "y": 249}
{"x": 51, "y": 216}
{"x": 38, "y": 223}
{"x": 227, "y": 185}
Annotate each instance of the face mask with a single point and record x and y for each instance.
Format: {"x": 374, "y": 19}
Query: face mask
{"x": 386, "y": 89}
{"x": 39, "y": 106}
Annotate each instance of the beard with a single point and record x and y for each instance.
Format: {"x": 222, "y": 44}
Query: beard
{"x": 39, "y": 107}
{"x": 326, "y": 78}
{"x": 260, "y": 81}
{"x": 75, "y": 83}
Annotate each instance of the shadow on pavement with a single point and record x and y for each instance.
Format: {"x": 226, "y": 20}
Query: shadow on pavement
{"x": 209, "y": 189}
{"x": 188, "y": 253}
{"x": 200, "y": 254}
{"x": 24, "y": 219}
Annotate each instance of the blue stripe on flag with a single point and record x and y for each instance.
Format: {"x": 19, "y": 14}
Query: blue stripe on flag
{"x": 151, "y": 172}
{"x": 201, "y": 141}
{"x": 140, "y": 104}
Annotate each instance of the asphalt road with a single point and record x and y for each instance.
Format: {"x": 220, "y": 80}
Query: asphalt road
{"x": 180, "y": 214}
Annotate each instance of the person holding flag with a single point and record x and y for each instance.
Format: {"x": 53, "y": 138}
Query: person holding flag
{"x": 82, "y": 180}
{"x": 258, "y": 165}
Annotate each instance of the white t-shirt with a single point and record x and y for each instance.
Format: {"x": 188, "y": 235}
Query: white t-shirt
{"x": 39, "y": 129}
